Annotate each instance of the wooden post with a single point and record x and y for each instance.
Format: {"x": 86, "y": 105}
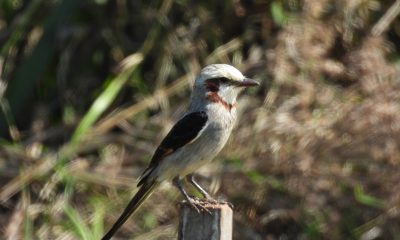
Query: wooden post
{"x": 213, "y": 225}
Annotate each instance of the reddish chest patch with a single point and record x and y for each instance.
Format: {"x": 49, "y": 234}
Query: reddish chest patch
{"x": 215, "y": 98}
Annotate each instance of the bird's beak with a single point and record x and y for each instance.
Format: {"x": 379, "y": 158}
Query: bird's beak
{"x": 247, "y": 82}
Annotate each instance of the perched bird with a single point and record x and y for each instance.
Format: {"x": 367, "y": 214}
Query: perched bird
{"x": 196, "y": 138}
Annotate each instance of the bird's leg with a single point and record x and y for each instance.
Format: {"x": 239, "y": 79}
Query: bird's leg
{"x": 203, "y": 192}
{"x": 178, "y": 184}
{"x": 192, "y": 202}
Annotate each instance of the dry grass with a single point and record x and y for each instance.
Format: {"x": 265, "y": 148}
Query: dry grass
{"x": 315, "y": 155}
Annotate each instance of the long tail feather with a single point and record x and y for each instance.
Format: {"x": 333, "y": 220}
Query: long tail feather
{"x": 143, "y": 193}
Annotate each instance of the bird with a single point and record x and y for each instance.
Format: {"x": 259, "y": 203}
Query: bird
{"x": 195, "y": 139}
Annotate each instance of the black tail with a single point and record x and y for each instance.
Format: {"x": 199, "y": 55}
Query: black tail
{"x": 137, "y": 200}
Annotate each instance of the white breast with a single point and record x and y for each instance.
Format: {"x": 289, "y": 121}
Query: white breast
{"x": 203, "y": 149}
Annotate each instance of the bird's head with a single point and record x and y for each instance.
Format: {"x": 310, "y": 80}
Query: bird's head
{"x": 221, "y": 83}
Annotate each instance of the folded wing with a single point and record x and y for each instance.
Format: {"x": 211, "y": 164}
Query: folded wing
{"x": 186, "y": 130}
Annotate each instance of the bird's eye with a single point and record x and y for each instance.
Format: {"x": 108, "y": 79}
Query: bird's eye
{"x": 213, "y": 84}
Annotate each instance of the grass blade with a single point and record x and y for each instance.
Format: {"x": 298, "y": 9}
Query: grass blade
{"x": 105, "y": 99}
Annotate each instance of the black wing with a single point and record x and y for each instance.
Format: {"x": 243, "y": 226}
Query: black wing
{"x": 182, "y": 133}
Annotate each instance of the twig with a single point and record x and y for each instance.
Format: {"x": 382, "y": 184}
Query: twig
{"x": 383, "y": 23}
{"x": 120, "y": 116}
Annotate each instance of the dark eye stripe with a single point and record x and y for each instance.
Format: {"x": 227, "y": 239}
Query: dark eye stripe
{"x": 213, "y": 84}
{"x": 219, "y": 80}
{"x": 223, "y": 80}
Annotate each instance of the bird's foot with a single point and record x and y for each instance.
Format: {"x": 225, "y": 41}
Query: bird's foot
{"x": 198, "y": 204}
{"x": 228, "y": 203}
{"x": 217, "y": 201}
{"x": 208, "y": 198}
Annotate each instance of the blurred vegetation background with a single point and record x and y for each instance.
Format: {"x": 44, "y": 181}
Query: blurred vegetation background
{"x": 89, "y": 88}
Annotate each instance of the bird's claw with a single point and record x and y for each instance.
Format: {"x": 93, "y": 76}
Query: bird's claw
{"x": 210, "y": 199}
{"x": 197, "y": 205}
{"x": 228, "y": 203}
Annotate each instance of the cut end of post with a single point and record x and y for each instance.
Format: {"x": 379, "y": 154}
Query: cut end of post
{"x": 213, "y": 222}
